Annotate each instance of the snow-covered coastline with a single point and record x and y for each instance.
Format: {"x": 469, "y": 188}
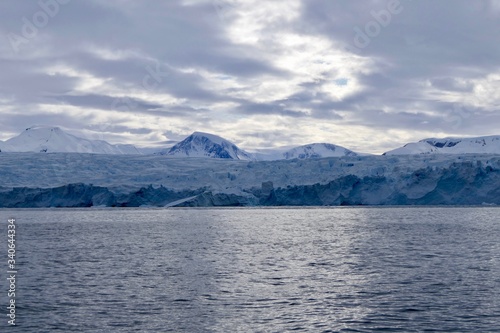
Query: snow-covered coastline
{"x": 43, "y": 180}
{"x": 48, "y": 167}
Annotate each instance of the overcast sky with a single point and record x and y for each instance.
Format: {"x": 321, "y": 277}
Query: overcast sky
{"x": 369, "y": 75}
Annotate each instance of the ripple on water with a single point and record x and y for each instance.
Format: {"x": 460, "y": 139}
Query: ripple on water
{"x": 259, "y": 270}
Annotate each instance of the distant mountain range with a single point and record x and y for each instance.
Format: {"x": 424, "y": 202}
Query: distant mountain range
{"x": 46, "y": 139}
{"x": 201, "y": 144}
{"x": 479, "y": 145}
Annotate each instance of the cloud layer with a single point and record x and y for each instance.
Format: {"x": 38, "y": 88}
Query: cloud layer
{"x": 366, "y": 75}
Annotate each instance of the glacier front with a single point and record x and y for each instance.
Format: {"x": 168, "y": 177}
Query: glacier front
{"x": 84, "y": 180}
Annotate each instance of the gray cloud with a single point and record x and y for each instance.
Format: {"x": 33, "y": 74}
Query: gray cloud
{"x": 106, "y": 102}
{"x": 268, "y": 109}
{"x": 173, "y": 67}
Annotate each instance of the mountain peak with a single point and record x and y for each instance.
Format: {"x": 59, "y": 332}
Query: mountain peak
{"x": 198, "y": 133}
{"x": 200, "y": 144}
{"x": 478, "y": 145}
{"x": 52, "y": 139}
{"x": 43, "y": 127}
{"x": 214, "y": 138}
{"x": 318, "y": 150}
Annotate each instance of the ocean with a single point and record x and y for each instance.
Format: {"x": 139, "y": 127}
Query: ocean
{"x": 348, "y": 269}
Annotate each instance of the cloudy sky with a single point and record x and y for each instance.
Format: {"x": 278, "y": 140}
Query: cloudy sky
{"x": 369, "y": 75}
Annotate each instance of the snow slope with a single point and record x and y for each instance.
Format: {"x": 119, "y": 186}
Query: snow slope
{"x": 3, "y": 146}
{"x": 479, "y": 145}
{"x": 413, "y": 149}
{"x": 55, "y": 140}
{"x": 313, "y": 150}
{"x": 317, "y": 150}
{"x": 201, "y": 144}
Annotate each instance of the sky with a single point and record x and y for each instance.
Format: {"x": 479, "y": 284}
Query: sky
{"x": 369, "y": 75}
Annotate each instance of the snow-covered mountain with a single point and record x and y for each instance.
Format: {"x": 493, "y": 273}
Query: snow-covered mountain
{"x": 313, "y": 150}
{"x": 479, "y": 145}
{"x": 198, "y": 144}
{"x": 317, "y": 150}
{"x": 201, "y": 144}
{"x": 54, "y": 139}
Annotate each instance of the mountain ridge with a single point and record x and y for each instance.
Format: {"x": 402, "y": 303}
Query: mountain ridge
{"x": 451, "y": 145}
{"x": 53, "y": 139}
{"x": 200, "y": 144}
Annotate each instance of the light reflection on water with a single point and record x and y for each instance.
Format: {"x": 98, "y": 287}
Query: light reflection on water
{"x": 259, "y": 270}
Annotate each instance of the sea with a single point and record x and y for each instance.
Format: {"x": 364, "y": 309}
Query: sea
{"x": 345, "y": 269}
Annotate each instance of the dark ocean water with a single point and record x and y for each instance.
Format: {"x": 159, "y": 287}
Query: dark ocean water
{"x": 256, "y": 270}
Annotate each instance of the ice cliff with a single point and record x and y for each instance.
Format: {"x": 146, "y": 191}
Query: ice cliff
{"x": 83, "y": 180}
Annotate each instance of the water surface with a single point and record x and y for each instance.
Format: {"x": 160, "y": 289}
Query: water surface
{"x": 257, "y": 270}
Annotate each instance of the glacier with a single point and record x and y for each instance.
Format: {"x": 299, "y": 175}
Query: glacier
{"x": 86, "y": 180}
{"x": 477, "y": 145}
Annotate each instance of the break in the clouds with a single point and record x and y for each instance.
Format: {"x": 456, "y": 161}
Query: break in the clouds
{"x": 367, "y": 75}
